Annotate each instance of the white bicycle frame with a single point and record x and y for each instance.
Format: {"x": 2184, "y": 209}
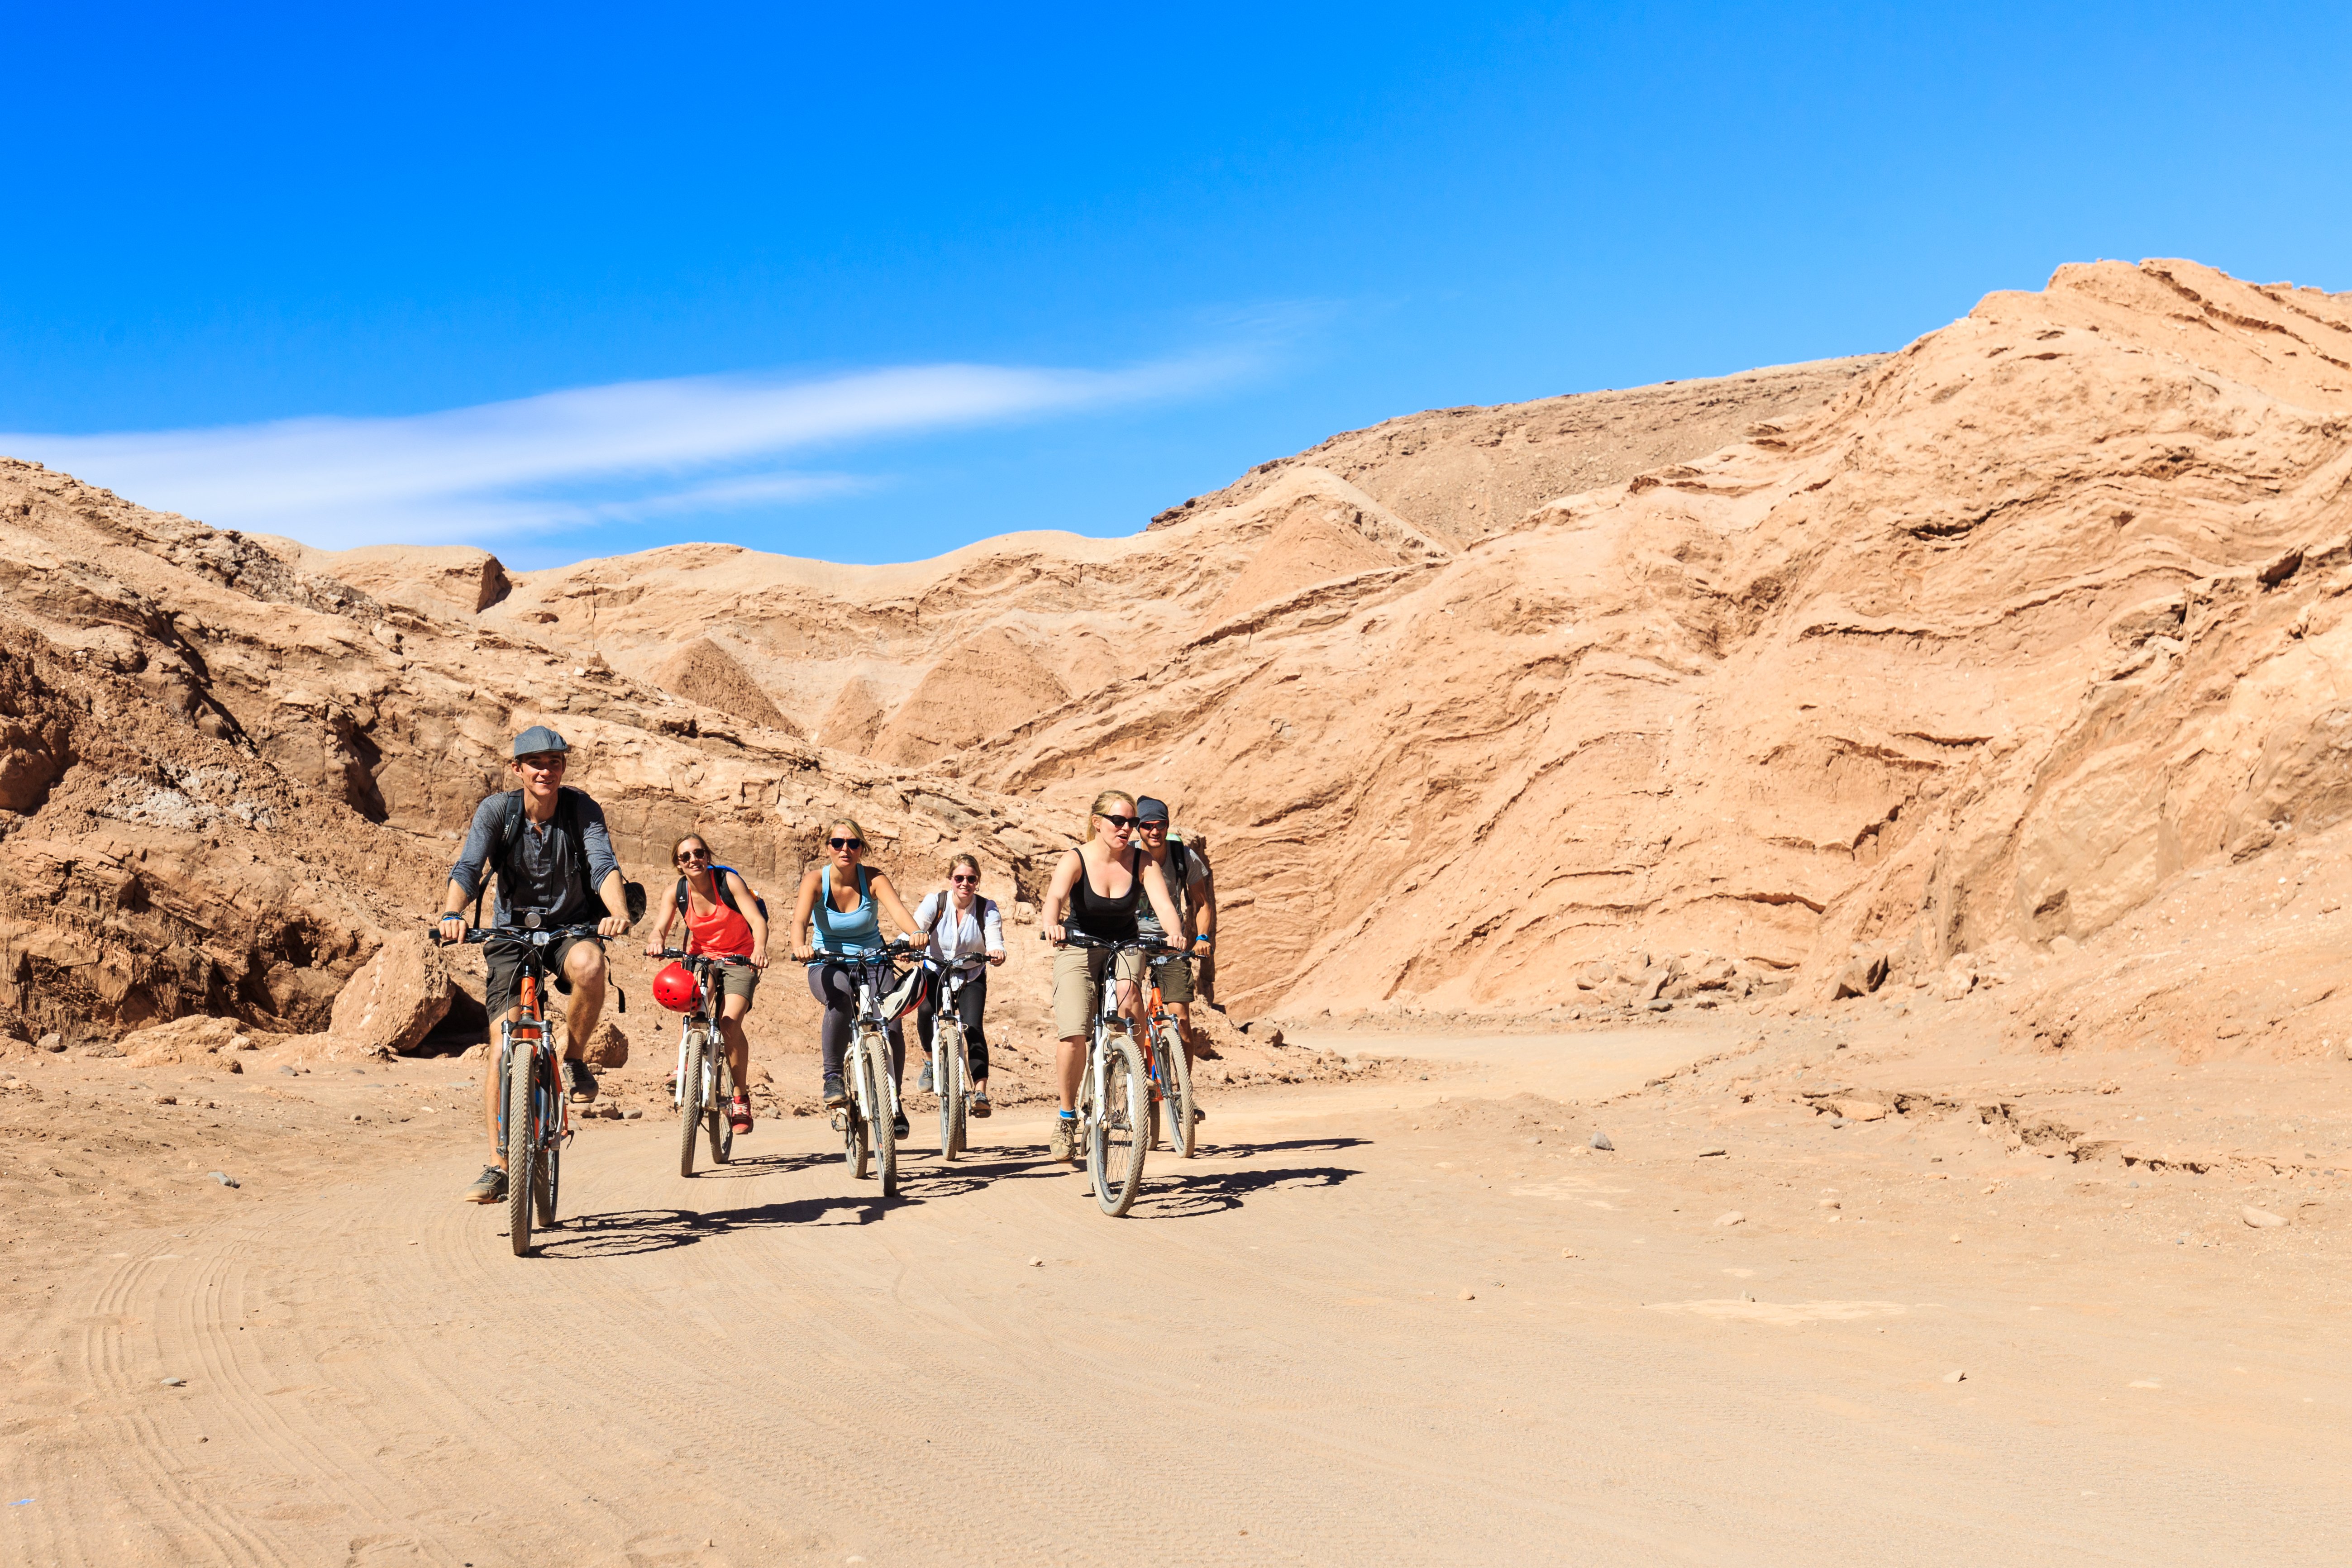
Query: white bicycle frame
{"x": 870, "y": 1012}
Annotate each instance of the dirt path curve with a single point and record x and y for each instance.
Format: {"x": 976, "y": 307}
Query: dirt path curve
{"x": 1271, "y": 1361}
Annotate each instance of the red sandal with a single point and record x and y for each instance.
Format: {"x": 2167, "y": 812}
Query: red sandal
{"x": 739, "y": 1114}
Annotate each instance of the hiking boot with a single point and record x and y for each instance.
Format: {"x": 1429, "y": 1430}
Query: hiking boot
{"x": 923, "y": 1084}
{"x": 489, "y": 1187}
{"x": 836, "y": 1093}
{"x": 1064, "y": 1144}
{"x": 979, "y": 1106}
{"x": 578, "y": 1080}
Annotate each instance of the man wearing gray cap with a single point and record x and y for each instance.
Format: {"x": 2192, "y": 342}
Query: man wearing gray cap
{"x": 1187, "y": 871}
{"x": 548, "y": 844}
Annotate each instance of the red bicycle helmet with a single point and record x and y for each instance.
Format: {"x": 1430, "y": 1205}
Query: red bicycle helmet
{"x": 675, "y": 988}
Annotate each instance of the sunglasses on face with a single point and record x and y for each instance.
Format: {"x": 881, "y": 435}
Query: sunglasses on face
{"x": 1151, "y": 827}
{"x": 846, "y": 843}
{"x": 965, "y": 881}
{"x": 1124, "y": 823}
{"x": 686, "y": 855}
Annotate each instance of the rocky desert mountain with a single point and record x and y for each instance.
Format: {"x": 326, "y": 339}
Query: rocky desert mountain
{"x": 2002, "y": 658}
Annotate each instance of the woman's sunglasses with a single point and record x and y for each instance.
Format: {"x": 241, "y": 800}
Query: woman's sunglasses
{"x": 962, "y": 881}
{"x": 1124, "y": 824}
{"x": 846, "y": 843}
{"x": 686, "y": 855}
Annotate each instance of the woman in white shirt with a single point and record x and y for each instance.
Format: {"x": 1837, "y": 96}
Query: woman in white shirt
{"x": 962, "y": 924}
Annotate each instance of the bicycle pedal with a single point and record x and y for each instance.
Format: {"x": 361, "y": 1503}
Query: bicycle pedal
{"x": 841, "y": 1122}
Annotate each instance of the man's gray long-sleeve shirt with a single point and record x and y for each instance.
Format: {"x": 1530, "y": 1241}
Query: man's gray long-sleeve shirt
{"x": 540, "y": 873}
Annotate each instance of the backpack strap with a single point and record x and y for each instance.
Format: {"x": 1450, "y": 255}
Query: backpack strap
{"x": 511, "y": 819}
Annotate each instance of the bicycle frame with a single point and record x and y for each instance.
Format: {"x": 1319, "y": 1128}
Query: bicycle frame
{"x": 548, "y": 1124}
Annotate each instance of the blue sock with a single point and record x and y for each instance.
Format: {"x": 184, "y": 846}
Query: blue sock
{"x": 1069, "y": 1116}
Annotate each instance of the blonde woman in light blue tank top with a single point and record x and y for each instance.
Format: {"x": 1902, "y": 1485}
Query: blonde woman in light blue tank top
{"x": 839, "y": 932}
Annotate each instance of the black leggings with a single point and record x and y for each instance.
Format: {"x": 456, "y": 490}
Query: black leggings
{"x": 834, "y": 985}
{"x": 970, "y": 1001}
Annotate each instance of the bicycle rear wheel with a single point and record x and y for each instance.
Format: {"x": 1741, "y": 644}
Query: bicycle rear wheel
{"x": 947, "y": 1075}
{"x": 1175, "y": 1087}
{"x": 522, "y": 1141}
{"x": 689, "y": 1098}
{"x": 875, "y": 1049}
{"x": 1116, "y": 1137}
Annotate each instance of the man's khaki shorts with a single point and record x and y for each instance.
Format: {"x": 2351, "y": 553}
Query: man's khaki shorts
{"x": 1175, "y": 979}
{"x": 1078, "y": 985}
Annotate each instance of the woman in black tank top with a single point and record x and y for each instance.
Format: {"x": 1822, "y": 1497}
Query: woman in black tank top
{"x": 1101, "y": 883}
{"x": 1106, "y": 918}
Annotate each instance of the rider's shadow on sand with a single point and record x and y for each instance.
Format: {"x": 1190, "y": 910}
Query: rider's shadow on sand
{"x": 1190, "y": 1196}
{"x": 762, "y": 1165}
{"x": 635, "y": 1231}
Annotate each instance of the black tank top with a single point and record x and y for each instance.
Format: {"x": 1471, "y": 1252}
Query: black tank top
{"x": 1106, "y": 920}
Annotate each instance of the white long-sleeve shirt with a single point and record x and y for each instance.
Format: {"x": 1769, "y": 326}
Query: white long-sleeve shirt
{"x": 978, "y": 931}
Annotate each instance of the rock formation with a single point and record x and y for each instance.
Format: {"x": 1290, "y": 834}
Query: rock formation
{"x": 1924, "y": 670}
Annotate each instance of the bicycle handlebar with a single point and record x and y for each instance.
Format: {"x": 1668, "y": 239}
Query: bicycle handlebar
{"x": 545, "y": 937}
{"x": 706, "y": 957}
{"x": 1137, "y": 944}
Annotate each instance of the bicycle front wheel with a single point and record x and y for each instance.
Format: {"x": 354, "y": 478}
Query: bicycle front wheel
{"x": 1175, "y": 1088}
{"x": 689, "y": 1098}
{"x": 1117, "y": 1133}
{"x": 947, "y": 1075}
{"x": 875, "y": 1049}
{"x": 523, "y": 1142}
{"x": 714, "y": 1107}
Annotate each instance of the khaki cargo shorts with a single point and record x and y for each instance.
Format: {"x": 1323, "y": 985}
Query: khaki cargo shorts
{"x": 1175, "y": 976}
{"x": 1078, "y": 985}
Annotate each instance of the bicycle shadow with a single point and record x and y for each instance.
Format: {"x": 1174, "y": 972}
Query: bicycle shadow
{"x": 1221, "y": 1192}
{"x": 1204, "y": 1149}
{"x": 637, "y": 1231}
{"x": 763, "y": 1165}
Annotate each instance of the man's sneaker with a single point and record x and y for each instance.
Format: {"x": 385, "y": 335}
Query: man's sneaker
{"x": 923, "y": 1084}
{"x": 836, "y": 1093}
{"x": 489, "y": 1187}
{"x": 898, "y": 1125}
{"x": 980, "y": 1102}
{"x": 1064, "y": 1144}
{"x": 739, "y": 1114}
{"x": 578, "y": 1079}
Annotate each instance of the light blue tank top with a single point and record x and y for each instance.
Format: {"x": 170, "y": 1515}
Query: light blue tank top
{"x": 838, "y": 933}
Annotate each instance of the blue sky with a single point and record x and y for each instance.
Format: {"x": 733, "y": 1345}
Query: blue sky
{"x": 571, "y": 281}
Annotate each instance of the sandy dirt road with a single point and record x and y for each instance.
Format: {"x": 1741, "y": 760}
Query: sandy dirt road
{"x": 1346, "y": 1333}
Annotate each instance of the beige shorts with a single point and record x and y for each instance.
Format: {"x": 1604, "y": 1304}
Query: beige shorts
{"x": 1078, "y": 985}
{"x": 1175, "y": 976}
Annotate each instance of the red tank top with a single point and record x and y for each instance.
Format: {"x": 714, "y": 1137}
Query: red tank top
{"x": 720, "y": 930}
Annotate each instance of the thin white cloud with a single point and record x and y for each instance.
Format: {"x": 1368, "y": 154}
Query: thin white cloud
{"x": 573, "y": 459}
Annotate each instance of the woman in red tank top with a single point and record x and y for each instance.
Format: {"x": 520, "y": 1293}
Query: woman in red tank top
{"x": 722, "y": 915}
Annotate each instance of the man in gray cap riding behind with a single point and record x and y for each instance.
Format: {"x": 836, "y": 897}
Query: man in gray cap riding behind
{"x": 548, "y": 844}
{"x": 1187, "y": 871}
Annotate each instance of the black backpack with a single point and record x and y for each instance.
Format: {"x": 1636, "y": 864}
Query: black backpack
{"x": 718, "y": 881}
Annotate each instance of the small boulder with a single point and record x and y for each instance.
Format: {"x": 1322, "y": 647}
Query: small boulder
{"x": 51, "y": 1042}
{"x": 1861, "y": 977}
{"x": 608, "y": 1047}
{"x": 393, "y": 1000}
{"x": 1600, "y": 1142}
{"x": 2261, "y": 1220}
{"x": 1734, "y": 1217}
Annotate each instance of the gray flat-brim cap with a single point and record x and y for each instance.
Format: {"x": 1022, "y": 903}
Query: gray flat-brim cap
{"x": 537, "y": 739}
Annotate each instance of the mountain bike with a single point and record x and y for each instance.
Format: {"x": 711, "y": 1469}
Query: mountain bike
{"x": 866, "y": 1122}
{"x": 1115, "y": 1094}
{"x": 704, "y": 1083}
{"x": 531, "y": 1077}
{"x": 951, "y": 1054}
{"x": 1172, "y": 1071}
